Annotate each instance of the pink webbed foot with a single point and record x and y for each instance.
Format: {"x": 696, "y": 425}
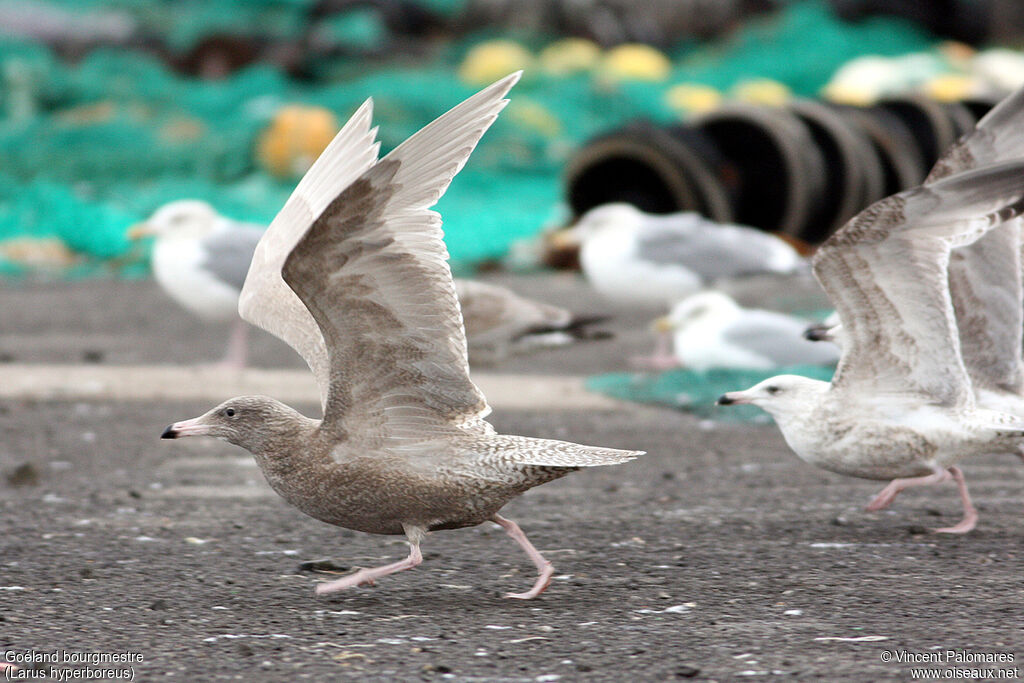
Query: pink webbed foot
{"x": 369, "y": 577}
{"x": 970, "y": 519}
{"x": 545, "y": 569}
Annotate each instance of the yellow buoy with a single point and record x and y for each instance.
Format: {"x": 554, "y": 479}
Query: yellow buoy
{"x": 950, "y": 87}
{"x": 635, "y": 62}
{"x": 763, "y": 91}
{"x": 569, "y": 56}
{"x": 487, "y": 62}
{"x": 295, "y": 138}
{"x": 692, "y": 98}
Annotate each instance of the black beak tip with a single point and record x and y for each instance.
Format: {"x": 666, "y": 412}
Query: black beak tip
{"x": 723, "y": 400}
{"x": 169, "y": 433}
{"x": 815, "y": 333}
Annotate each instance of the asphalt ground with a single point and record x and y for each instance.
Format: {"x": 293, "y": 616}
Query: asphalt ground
{"x": 717, "y": 556}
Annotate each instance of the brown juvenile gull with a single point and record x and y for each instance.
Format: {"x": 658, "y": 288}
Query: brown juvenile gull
{"x": 499, "y": 322}
{"x": 900, "y": 405}
{"x": 200, "y": 259}
{"x": 356, "y": 258}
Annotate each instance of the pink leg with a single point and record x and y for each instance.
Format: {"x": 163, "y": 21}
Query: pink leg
{"x": 970, "y": 514}
{"x": 370, "y": 576}
{"x": 238, "y": 346}
{"x": 546, "y": 571}
{"x": 661, "y": 358}
{"x": 883, "y": 499}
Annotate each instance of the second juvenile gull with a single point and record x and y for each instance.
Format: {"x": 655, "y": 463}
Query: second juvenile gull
{"x": 900, "y": 406}
{"x": 353, "y": 274}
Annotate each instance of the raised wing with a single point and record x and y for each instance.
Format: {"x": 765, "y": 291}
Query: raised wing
{"x": 885, "y": 272}
{"x": 985, "y": 277}
{"x": 995, "y": 139}
{"x": 373, "y": 272}
{"x": 266, "y": 301}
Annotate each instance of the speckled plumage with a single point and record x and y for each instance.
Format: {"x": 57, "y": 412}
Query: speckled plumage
{"x": 901, "y": 404}
{"x": 358, "y": 283}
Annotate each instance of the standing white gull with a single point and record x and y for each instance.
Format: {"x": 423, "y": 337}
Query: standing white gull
{"x": 637, "y": 258}
{"x": 200, "y": 259}
{"x": 353, "y": 274}
{"x": 901, "y": 404}
{"x": 710, "y": 330}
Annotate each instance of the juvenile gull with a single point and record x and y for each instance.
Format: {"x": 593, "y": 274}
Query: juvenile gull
{"x": 200, "y": 259}
{"x": 499, "y": 322}
{"x": 353, "y": 274}
{"x": 633, "y": 257}
{"x": 901, "y": 405}
{"x": 710, "y": 330}
{"x": 985, "y": 276}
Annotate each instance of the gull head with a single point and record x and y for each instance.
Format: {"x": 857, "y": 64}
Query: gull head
{"x": 184, "y": 218}
{"x": 705, "y": 306}
{"x": 258, "y": 424}
{"x": 779, "y": 395}
{"x": 606, "y": 219}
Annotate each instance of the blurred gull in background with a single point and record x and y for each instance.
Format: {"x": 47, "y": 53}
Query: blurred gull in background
{"x": 200, "y": 259}
{"x": 710, "y": 330}
{"x": 633, "y": 257}
{"x": 499, "y": 322}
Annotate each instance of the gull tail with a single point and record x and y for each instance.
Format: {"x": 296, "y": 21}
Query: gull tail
{"x": 548, "y": 453}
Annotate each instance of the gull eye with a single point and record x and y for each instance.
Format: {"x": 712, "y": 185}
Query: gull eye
{"x": 230, "y": 412}
{"x": 773, "y": 389}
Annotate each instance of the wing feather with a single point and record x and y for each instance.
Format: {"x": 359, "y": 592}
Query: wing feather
{"x": 985, "y": 277}
{"x": 373, "y": 271}
{"x": 886, "y": 273}
{"x": 266, "y": 301}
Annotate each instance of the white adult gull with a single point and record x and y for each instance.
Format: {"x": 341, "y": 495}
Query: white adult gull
{"x": 632, "y": 257}
{"x": 900, "y": 405}
{"x": 353, "y": 274}
{"x": 710, "y": 330}
{"x": 200, "y": 259}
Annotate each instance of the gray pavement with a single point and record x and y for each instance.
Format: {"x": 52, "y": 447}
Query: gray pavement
{"x": 718, "y": 556}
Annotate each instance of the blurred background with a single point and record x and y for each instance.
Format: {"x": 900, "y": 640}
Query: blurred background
{"x": 786, "y": 115}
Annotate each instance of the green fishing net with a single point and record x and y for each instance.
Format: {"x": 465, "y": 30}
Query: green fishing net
{"x": 88, "y": 148}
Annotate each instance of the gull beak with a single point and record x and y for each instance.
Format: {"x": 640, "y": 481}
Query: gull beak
{"x": 138, "y": 231}
{"x": 662, "y": 325}
{"x": 184, "y": 428}
{"x": 563, "y": 240}
{"x": 733, "y": 398}
{"x": 817, "y": 332}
